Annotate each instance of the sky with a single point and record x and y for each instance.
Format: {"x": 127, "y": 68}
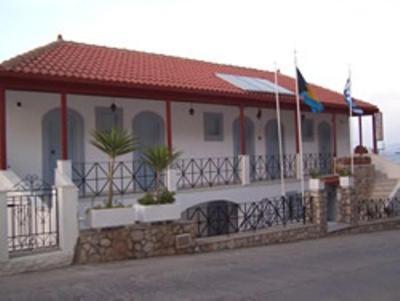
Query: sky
{"x": 329, "y": 37}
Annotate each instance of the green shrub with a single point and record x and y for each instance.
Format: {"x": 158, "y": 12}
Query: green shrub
{"x": 344, "y": 172}
{"x": 147, "y": 199}
{"x": 314, "y": 173}
{"x": 165, "y": 197}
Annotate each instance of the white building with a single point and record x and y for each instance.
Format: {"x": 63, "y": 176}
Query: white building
{"x": 53, "y": 96}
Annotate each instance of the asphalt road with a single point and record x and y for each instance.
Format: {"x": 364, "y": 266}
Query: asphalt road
{"x": 356, "y": 267}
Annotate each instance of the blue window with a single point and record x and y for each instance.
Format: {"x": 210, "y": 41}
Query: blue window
{"x": 213, "y": 126}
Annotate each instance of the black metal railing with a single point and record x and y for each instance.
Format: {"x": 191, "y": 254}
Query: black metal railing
{"x": 223, "y": 217}
{"x": 208, "y": 172}
{"x": 129, "y": 177}
{"x": 320, "y": 163}
{"x": 373, "y": 209}
{"x": 264, "y": 168}
{"x": 32, "y": 217}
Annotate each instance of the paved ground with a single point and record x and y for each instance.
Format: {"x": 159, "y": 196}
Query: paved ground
{"x": 358, "y": 267}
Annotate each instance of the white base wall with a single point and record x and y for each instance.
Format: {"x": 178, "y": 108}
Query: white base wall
{"x": 186, "y": 199}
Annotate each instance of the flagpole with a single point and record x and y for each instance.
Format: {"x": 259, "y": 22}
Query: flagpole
{"x": 278, "y": 121}
{"x": 299, "y": 133}
{"x": 351, "y": 128}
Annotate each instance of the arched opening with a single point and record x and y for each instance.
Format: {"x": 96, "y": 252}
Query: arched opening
{"x": 148, "y": 127}
{"x": 249, "y": 136}
{"x": 325, "y": 147}
{"x": 51, "y": 145}
{"x": 272, "y": 148}
{"x": 214, "y": 217}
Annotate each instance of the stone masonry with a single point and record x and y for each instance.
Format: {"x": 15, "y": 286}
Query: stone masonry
{"x": 347, "y": 205}
{"x": 133, "y": 242}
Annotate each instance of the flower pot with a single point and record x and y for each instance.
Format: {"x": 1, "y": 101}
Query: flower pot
{"x": 156, "y": 213}
{"x": 111, "y": 217}
{"x": 316, "y": 185}
{"x": 345, "y": 182}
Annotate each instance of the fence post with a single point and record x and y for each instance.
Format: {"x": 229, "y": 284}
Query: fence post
{"x": 64, "y": 167}
{"x": 347, "y": 203}
{"x": 316, "y": 200}
{"x": 4, "y": 256}
{"x": 67, "y": 194}
{"x": 244, "y": 169}
{"x": 172, "y": 179}
{"x": 298, "y": 167}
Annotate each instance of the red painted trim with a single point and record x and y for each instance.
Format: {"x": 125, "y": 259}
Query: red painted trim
{"x": 242, "y": 132}
{"x": 334, "y": 135}
{"x": 3, "y": 131}
{"x": 103, "y": 88}
{"x": 169, "y": 124}
{"x": 360, "y": 137}
{"x": 296, "y": 127}
{"x": 374, "y": 141}
{"x": 64, "y": 127}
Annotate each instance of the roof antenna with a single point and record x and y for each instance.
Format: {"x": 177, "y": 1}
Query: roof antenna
{"x": 59, "y": 37}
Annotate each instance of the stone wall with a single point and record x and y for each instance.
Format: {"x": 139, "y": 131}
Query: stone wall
{"x": 135, "y": 241}
{"x": 364, "y": 178}
{"x": 371, "y": 226}
{"x": 347, "y": 211}
{"x": 274, "y": 235}
{"x": 149, "y": 240}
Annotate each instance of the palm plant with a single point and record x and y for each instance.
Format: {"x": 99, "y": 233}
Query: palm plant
{"x": 159, "y": 158}
{"x": 113, "y": 143}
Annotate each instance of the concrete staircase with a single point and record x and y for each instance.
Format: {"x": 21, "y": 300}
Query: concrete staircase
{"x": 383, "y": 187}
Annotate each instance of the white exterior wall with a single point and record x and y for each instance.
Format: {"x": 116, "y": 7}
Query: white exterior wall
{"x": 24, "y": 127}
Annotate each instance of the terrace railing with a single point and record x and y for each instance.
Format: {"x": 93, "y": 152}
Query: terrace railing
{"x": 208, "y": 172}
{"x": 129, "y": 177}
{"x": 222, "y": 217}
{"x": 374, "y": 209}
{"x": 321, "y": 163}
{"x": 264, "y": 168}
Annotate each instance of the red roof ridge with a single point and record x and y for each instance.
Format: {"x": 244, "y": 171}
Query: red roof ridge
{"x": 12, "y": 62}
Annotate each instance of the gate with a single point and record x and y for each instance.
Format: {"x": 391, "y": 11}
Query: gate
{"x": 32, "y": 214}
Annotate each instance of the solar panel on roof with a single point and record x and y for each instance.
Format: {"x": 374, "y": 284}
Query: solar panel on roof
{"x": 252, "y": 84}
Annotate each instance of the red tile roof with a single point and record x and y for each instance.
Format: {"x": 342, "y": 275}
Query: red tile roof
{"x": 81, "y": 62}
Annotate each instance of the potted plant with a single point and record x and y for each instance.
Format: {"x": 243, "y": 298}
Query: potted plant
{"x": 315, "y": 183}
{"x": 157, "y": 205}
{"x": 113, "y": 143}
{"x": 345, "y": 178}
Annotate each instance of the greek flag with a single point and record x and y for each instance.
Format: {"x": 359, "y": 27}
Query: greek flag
{"x": 349, "y": 100}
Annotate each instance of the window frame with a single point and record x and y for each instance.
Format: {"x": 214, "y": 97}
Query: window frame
{"x": 210, "y": 136}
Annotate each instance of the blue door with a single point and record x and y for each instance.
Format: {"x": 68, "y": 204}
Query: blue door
{"x": 272, "y": 149}
{"x": 52, "y": 145}
{"x": 148, "y": 127}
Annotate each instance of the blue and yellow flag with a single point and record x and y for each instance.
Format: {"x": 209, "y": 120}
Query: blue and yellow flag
{"x": 307, "y": 95}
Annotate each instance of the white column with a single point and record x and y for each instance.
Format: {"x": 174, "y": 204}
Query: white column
{"x": 298, "y": 167}
{"x": 3, "y": 228}
{"x": 245, "y": 169}
{"x": 67, "y": 194}
{"x": 172, "y": 179}
{"x": 64, "y": 167}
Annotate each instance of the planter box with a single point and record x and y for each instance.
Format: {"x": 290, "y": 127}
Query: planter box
{"x": 346, "y": 182}
{"x": 316, "y": 185}
{"x": 113, "y": 217}
{"x": 157, "y": 213}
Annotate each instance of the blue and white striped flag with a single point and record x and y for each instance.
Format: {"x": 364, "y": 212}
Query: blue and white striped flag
{"x": 349, "y": 100}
